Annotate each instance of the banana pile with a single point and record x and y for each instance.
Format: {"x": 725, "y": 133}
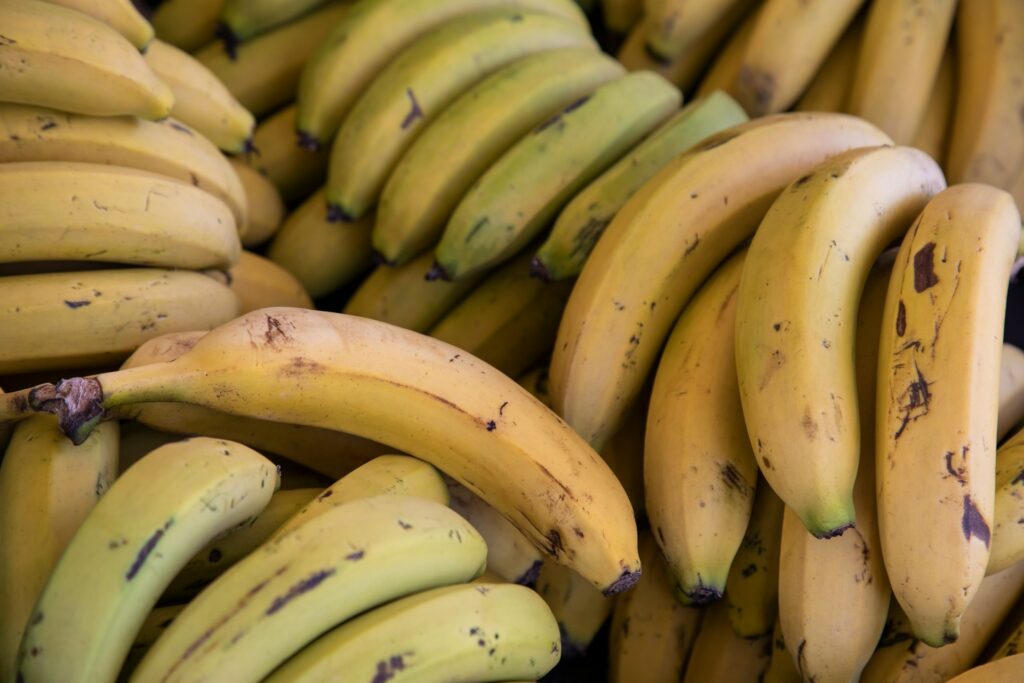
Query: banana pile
{"x": 685, "y": 363}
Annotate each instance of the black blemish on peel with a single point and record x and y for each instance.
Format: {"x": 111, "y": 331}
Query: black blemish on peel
{"x": 146, "y": 550}
{"x": 901, "y": 319}
{"x": 415, "y": 112}
{"x": 924, "y": 268}
{"x": 357, "y": 555}
{"x": 304, "y": 586}
{"x": 76, "y": 304}
{"x": 491, "y": 425}
{"x": 973, "y": 524}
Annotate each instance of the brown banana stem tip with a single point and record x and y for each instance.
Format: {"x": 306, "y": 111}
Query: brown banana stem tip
{"x": 77, "y": 403}
{"x": 539, "y": 270}
{"x": 625, "y": 581}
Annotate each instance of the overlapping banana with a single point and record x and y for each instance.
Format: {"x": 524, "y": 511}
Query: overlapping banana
{"x": 294, "y": 171}
{"x": 258, "y": 282}
{"x": 718, "y": 654}
{"x": 579, "y": 609}
{"x": 752, "y": 587}
{"x": 187, "y": 24}
{"x": 240, "y": 20}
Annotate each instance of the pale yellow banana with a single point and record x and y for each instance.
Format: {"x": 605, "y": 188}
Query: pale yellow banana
{"x": 718, "y": 654}
{"x": 578, "y": 607}
{"x": 242, "y": 19}
{"x": 830, "y": 88}
{"x": 722, "y": 73}
{"x": 932, "y": 136}
{"x": 1011, "y": 389}
{"x": 266, "y": 208}
{"x": 120, "y": 15}
{"x": 675, "y": 25}
{"x": 258, "y": 282}
{"x": 187, "y": 24}
{"x": 1006, "y": 670}
{"x": 295, "y": 172}
{"x": 1007, "y": 532}
{"x": 752, "y": 587}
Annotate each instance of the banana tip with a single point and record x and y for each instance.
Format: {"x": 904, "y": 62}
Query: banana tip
{"x": 627, "y": 579}
{"x": 308, "y": 141}
{"x": 530, "y": 576}
{"x": 833, "y": 533}
{"x": 656, "y": 56}
{"x": 703, "y": 595}
{"x": 230, "y": 40}
{"x": 437, "y": 272}
{"x": 337, "y": 214}
{"x": 539, "y": 270}
{"x": 379, "y": 259}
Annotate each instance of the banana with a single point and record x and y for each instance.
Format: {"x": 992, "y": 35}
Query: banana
{"x": 789, "y": 43}
{"x": 469, "y": 135}
{"x": 509, "y": 321}
{"x": 467, "y": 632}
{"x": 120, "y": 15}
{"x": 371, "y": 36}
{"x": 294, "y": 171}
{"x": 187, "y": 24}
{"x": 263, "y": 73}
{"x": 82, "y": 319}
{"x": 1006, "y": 670}
{"x": 56, "y": 210}
{"x": 258, "y": 282}
{"x": 834, "y": 594}
{"x": 781, "y": 669}
{"x": 651, "y": 633}
{"x": 583, "y": 220}
{"x": 987, "y": 140}
{"x": 678, "y": 227}
{"x": 1007, "y": 534}
{"x": 536, "y": 382}
{"x": 675, "y": 25}
{"x": 723, "y": 71}
{"x": 934, "y": 129}
{"x": 415, "y": 394}
{"x": 301, "y": 583}
{"x": 153, "y": 518}
{"x": 718, "y": 654}
{"x": 523, "y": 190}
{"x": 1011, "y": 389}
{"x": 154, "y": 625}
{"x": 399, "y": 295}
{"x": 266, "y": 208}
{"x": 699, "y": 472}
{"x": 328, "y": 452}
{"x": 1006, "y": 641}
{"x": 58, "y": 57}
{"x": 621, "y": 15}
{"x": 165, "y": 147}
{"x": 936, "y": 513}
{"x": 407, "y": 95}
{"x": 243, "y": 19}
{"x": 578, "y": 607}
{"x": 47, "y": 487}
{"x": 830, "y": 88}
{"x": 5, "y": 430}
{"x": 752, "y": 586}
{"x": 624, "y": 454}
{"x": 322, "y": 256}
{"x": 201, "y": 101}
{"x": 795, "y": 321}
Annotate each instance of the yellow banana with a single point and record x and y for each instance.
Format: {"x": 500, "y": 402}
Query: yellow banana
{"x": 718, "y": 654}
{"x": 675, "y": 25}
{"x": 294, "y": 171}
{"x": 722, "y": 73}
{"x": 1007, "y": 639}
{"x": 578, "y": 607}
{"x": 243, "y": 19}
{"x": 153, "y": 627}
{"x": 781, "y": 669}
{"x": 830, "y": 88}
{"x": 187, "y": 24}
{"x": 621, "y": 15}
{"x": 1006, "y": 670}
{"x": 663, "y": 243}
{"x": 934, "y": 129}
{"x": 1007, "y": 534}
{"x": 266, "y": 208}
{"x": 624, "y": 454}
{"x": 795, "y": 321}
{"x": 120, "y": 15}
{"x": 258, "y": 282}
{"x": 1011, "y": 389}
{"x": 752, "y": 587}
{"x": 536, "y": 382}
{"x": 936, "y": 512}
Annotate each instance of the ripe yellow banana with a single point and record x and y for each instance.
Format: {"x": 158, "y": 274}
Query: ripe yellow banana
{"x": 933, "y": 132}
{"x": 718, "y": 654}
{"x": 417, "y": 395}
{"x": 263, "y": 73}
{"x": 1007, "y": 534}
{"x": 120, "y": 15}
{"x": 790, "y": 41}
{"x": 295, "y": 172}
{"x": 156, "y": 623}
{"x": 578, "y": 607}
{"x": 321, "y": 255}
{"x": 471, "y": 134}
{"x": 830, "y": 88}
{"x": 58, "y": 57}
{"x": 583, "y": 220}
{"x": 1005, "y": 670}
{"x": 243, "y": 19}
{"x": 663, "y": 243}
{"x": 151, "y": 521}
{"x": 407, "y": 95}
{"x": 467, "y": 632}
{"x": 165, "y": 147}
{"x": 675, "y": 25}
{"x": 69, "y": 211}
{"x": 795, "y": 323}
{"x": 369, "y": 37}
{"x": 47, "y": 487}
{"x": 258, "y": 282}
{"x": 781, "y": 669}
{"x": 752, "y": 587}
{"x": 187, "y": 24}
{"x": 400, "y": 295}
{"x": 89, "y": 318}
{"x": 651, "y": 633}
{"x": 509, "y": 321}
{"x": 699, "y": 472}
{"x": 522, "y": 192}
{"x": 624, "y": 454}
{"x": 722, "y": 73}
{"x": 1011, "y": 389}
{"x": 987, "y": 140}
{"x": 945, "y": 303}
{"x": 306, "y": 580}
{"x": 266, "y": 208}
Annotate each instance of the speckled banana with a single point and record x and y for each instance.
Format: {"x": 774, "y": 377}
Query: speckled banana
{"x": 69, "y": 211}
{"x": 295, "y": 172}
{"x": 795, "y": 321}
{"x": 47, "y": 487}
{"x": 166, "y": 147}
{"x": 834, "y": 593}
{"x": 663, "y": 243}
{"x": 752, "y": 587}
{"x": 830, "y": 88}
{"x": 305, "y": 581}
{"x": 936, "y": 513}
{"x": 187, "y": 24}
{"x": 935, "y": 128}
{"x": 469, "y": 632}
{"x": 154, "y": 517}
{"x": 781, "y": 669}
{"x": 428, "y": 76}
{"x": 266, "y": 208}
{"x": 526, "y": 188}
{"x": 1007, "y": 534}
{"x": 361, "y": 45}
{"x": 578, "y": 607}
{"x": 699, "y": 472}
{"x": 417, "y": 395}
{"x": 1005, "y": 670}
{"x": 57, "y": 57}
{"x": 583, "y": 220}
{"x": 89, "y": 318}
{"x": 718, "y": 654}
{"x": 1011, "y": 389}
{"x": 242, "y": 19}
{"x": 120, "y": 15}
{"x": 258, "y": 282}
{"x": 675, "y": 25}
{"x": 472, "y": 133}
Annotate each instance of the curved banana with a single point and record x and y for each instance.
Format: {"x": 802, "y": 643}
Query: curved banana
{"x": 525, "y": 189}
{"x": 700, "y": 475}
{"x": 418, "y": 395}
{"x": 294, "y": 171}
{"x": 795, "y": 321}
{"x": 583, "y": 220}
{"x": 675, "y": 25}
{"x": 1011, "y": 389}
{"x": 407, "y": 95}
{"x": 242, "y": 19}
{"x": 1005, "y": 670}
{"x": 164, "y": 147}
{"x": 303, "y": 582}
{"x": 752, "y": 587}
{"x": 47, "y": 487}
{"x": 258, "y": 282}
{"x": 266, "y": 208}
{"x": 718, "y": 654}
{"x": 467, "y": 632}
{"x": 187, "y": 24}
{"x": 722, "y": 73}
{"x": 360, "y": 46}
{"x": 154, "y": 517}
{"x": 935, "y": 128}
{"x": 1007, "y": 534}
{"x": 90, "y": 318}
{"x": 322, "y": 256}
{"x": 201, "y": 101}
{"x": 58, "y": 57}
{"x": 830, "y": 88}
{"x": 120, "y": 15}
{"x": 936, "y": 513}
{"x": 471, "y": 134}
{"x": 663, "y": 243}
{"x": 579, "y": 609}
{"x": 69, "y": 211}
{"x": 781, "y": 669}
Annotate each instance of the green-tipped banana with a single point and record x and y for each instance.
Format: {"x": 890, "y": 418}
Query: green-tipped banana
{"x": 242, "y": 19}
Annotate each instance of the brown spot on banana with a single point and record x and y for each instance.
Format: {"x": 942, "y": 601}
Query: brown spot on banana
{"x": 924, "y": 268}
